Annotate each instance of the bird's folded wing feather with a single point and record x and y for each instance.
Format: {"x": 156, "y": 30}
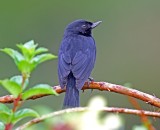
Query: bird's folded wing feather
{"x": 82, "y": 65}
{"x": 63, "y": 68}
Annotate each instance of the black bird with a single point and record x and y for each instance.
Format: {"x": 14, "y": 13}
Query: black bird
{"x": 76, "y": 59}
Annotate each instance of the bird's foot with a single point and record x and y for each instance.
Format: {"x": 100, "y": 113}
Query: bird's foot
{"x": 90, "y": 80}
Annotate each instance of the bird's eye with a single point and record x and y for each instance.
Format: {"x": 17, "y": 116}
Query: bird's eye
{"x": 84, "y": 26}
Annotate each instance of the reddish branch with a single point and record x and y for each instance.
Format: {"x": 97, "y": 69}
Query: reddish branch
{"x": 82, "y": 109}
{"x": 102, "y": 86}
{"x": 144, "y": 118}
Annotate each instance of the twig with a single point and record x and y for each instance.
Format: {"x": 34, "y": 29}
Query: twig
{"x": 82, "y": 109}
{"x": 102, "y": 86}
{"x": 144, "y": 119}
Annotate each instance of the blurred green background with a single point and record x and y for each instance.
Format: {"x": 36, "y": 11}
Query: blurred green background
{"x": 128, "y": 44}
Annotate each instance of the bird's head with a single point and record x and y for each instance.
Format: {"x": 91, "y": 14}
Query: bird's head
{"x": 81, "y": 27}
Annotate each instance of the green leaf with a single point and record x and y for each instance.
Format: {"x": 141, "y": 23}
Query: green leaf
{"x": 17, "y": 57}
{"x": 41, "y": 50}
{"x": 18, "y": 79}
{"x": 30, "y": 45}
{"x": 26, "y": 112}
{"x": 28, "y": 49}
{"x": 28, "y": 54}
{"x": 5, "y": 113}
{"x": 30, "y": 57}
{"x": 43, "y": 57}
{"x": 2, "y": 126}
{"x": 26, "y": 67}
{"x": 11, "y": 86}
{"x": 4, "y": 108}
{"x": 38, "y": 89}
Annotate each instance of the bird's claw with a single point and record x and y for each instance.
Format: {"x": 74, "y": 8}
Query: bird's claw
{"x": 90, "y": 79}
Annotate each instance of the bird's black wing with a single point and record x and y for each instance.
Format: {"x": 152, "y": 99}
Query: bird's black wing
{"x": 76, "y": 56}
{"x": 83, "y": 62}
{"x": 64, "y": 64}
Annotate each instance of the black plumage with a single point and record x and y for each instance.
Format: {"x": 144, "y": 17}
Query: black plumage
{"x": 76, "y": 59}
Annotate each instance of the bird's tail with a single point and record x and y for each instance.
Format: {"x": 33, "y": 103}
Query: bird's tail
{"x": 71, "y": 98}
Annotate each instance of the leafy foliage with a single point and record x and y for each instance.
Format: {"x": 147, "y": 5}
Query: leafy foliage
{"x": 5, "y": 113}
{"x": 26, "y": 61}
{"x": 30, "y": 56}
{"x": 12, "y": 87}
{"x": 19, "y": 115}
{"x": 38, "y": 89}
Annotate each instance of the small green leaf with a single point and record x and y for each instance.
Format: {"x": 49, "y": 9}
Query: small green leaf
{"x": 38, "y": 89}
{"x": 12, "y": 87}
{"x": 5, "y": 113}
{"x": 18, "y": 79}
{"x": 30, "y": 45}
{"x": 4, "y": 108}
{"x": 28, "y": 49}
{"x": 28, "y": 54}
{"x": 14, "y": 54}
{"x": 43, "y": 57}
{"x": 2, "y": 126}
{"x": 26, "y": 112}
{"x": 41, "y": 50}
{"x": 25, "y": 66}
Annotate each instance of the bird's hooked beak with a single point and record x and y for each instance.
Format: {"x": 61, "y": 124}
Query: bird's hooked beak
{"x": 95, "y": 24}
